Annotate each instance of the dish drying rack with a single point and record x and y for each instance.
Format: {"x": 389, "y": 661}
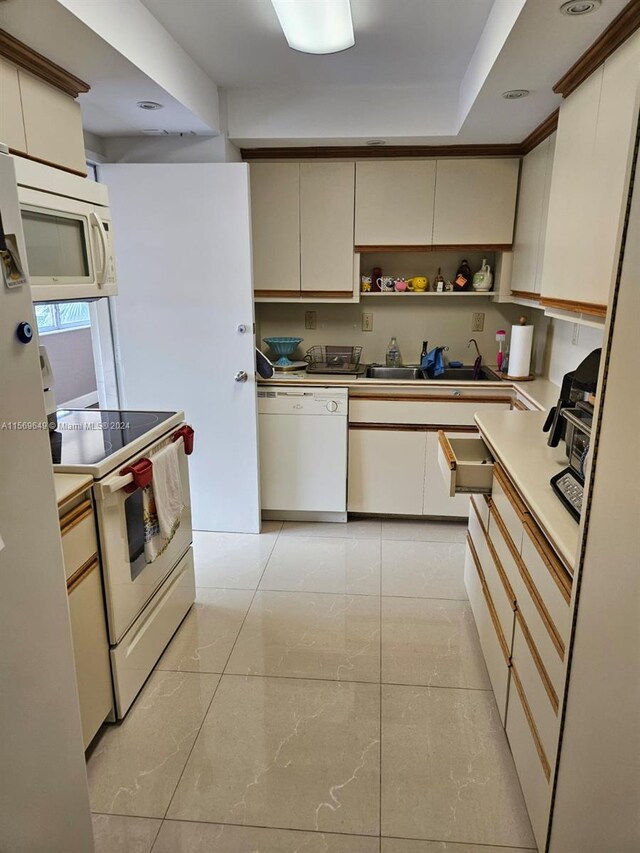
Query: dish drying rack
{"x": 334, "y": 359}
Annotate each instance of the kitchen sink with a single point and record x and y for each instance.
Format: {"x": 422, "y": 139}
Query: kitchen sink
{"x": 379, "y": 371}
{"x": 451, "y": 374}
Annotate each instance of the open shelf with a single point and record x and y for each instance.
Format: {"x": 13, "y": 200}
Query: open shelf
{"x": 422, "y": 294}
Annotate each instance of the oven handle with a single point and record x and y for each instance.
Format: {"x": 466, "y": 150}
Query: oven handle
{"x": 119, "y": 481}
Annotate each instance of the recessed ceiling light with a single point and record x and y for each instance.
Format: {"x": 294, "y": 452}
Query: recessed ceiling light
{"x": 375, "y": 142}
{"x": 149, "y": 105}
{"x": 580, "y": 7}
{"x": 316, "y": 26}
{"x": 515, "y": 94}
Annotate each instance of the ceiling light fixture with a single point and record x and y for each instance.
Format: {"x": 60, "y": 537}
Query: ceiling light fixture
{"x": 149, "y": 105}
{"x": 316, "y": 26}
{"x": 580, "y": 7}
{"x": 515, "y": 94}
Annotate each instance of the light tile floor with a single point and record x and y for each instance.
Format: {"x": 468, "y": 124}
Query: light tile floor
{"x": 326, "y": 694}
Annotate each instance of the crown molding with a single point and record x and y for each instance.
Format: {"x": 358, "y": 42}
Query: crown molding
{"x": 35, "y": 63}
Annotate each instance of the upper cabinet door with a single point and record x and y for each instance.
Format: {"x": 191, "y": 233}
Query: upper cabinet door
{"x": 533, "y": 203}
{"x": 275, "y": 223}
{"x": 52, "y": 124}
{"x": 394, "y": 202}
{"x": 326, "y": 227}
{"x": 475, "y": 202}
{"x": 11, "y": 123}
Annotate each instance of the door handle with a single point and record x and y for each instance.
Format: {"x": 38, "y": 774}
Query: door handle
{"x": 241, "y": 376}
{"x": 101, "y": 275}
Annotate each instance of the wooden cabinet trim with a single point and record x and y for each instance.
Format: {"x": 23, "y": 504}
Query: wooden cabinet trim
{"x": 490, "y": 605}
{"x": 556, "y": 569}
{"x": 532, "y": 725}
{"x": 441, "y": 247}
{"x": 519, "y": 406}
{"x": 544, "y": 676}
{"x": 326, "y": 294}
{"x": 26, "y": 57}
{"x": 75, "y": 516}
{"x": 71, "y": 497}
{"x": 528, "y": 582}
{"x": 593, "y": 308}
{"x": 525, "y": 294}
{"x": 618, "y": 31}
{"x": 447, "y": 450}
{"x": 413, "y": 427}
{"x": 540, "y": 133}
{"x": 26, "y": 156}
{"x": 512, "y": 495}
{"x": 77, "y": 577}
{"x": 496, "y": 559}
{"x": 435, "y": 398}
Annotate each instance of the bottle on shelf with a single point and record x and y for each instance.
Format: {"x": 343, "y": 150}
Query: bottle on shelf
{"x": 393, "y": 357}
{"x": 463, "y": 278}
{"x": 438, "y": 282}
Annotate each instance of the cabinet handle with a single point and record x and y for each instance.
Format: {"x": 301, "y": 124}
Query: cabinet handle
{"x": 83, "y": 571}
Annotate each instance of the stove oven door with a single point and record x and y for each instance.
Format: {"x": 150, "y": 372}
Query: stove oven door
{"x": 129, "y": 580}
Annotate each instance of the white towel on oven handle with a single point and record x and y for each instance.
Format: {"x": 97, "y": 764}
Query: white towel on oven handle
{"x": 163, "y": 501}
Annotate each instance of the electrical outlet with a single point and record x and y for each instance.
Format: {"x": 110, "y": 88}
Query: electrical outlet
{"x": 477, "y": 322}
{"x": 367, "y": 321}
{"x": 310, "y": 320}
{"x": 575, "y": 334}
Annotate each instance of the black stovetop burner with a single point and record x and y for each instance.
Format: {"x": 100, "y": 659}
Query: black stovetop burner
{"x": 87, "y": 436}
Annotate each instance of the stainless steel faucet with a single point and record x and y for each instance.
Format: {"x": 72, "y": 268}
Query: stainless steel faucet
{"x": 475, "y": 343}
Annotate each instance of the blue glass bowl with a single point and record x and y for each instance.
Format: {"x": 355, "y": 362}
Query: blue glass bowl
{"x": 283, "y": 347}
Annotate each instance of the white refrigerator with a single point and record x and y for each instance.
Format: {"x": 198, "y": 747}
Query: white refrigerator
{"x": 44, "y": 800}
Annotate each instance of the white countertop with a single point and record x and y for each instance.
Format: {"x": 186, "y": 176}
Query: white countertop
{"x": 540, "y": 392}
{"x": 68, "y": 484}
{"x": 518, "y": 443}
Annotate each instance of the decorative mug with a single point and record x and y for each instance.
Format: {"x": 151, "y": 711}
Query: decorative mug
{"x": 400, "y": 285}
{"x": 365, "y": 283}
{"x": 418, "y": 284}
{"x": 385, "y": 283}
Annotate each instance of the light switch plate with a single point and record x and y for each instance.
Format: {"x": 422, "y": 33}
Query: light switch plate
{"x": 367, "y": 321}
{"x": 310, "y": 320}
{"x": 477, "y": 322}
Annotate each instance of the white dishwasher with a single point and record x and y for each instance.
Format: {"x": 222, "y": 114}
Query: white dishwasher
{"x": 303, "y": 453}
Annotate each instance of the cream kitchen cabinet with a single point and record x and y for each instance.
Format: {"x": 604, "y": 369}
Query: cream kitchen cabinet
{"x": 86, "y": 603}
{"x": 52, "y": 124}
{"x": 475, "y": 202}
{"x": 275, "y": 227}
{"x": 591, "y": 169}
{"x": 326, "y": 228}
{"x": 11, "y": 121}
{"x": 531, "y": 220}
{"x": 302, "y": 230}
{"x": 394, "y": 202}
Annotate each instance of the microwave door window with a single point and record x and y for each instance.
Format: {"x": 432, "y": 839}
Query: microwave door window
{"x": 135, "y": 532}
{"x": 56, "y": 245}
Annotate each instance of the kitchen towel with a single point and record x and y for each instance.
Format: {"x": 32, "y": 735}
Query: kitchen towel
{"x": 163, "y": 501}
{"x": 520, "y": 352}
{"x": 433, "y": 363}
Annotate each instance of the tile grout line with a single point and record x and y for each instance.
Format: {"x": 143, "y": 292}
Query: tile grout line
{"x": 218, "y": 684}
{"x": 325, "y": 592}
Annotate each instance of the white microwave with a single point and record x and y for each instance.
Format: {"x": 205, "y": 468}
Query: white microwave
{"x": 67, "y": 232}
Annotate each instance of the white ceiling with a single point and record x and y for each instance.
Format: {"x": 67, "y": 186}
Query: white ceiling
{"x": 405, "y": 80}
{"x": 398, "y": 43}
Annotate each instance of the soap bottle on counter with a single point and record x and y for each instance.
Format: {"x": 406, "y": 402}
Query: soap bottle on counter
{"x": 393, "y": 358}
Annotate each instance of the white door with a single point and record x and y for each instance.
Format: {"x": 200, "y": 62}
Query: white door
{"x": 43, "y": 786}
{"x": 183, "y": 258}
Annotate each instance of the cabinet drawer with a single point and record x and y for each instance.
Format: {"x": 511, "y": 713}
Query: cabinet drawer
{"x": 466, "y": 464}
{"x": 91, "y": 651}
{"x": 494, "y": 579}
{"x": 541, "y": 696}
{"x": 549, "y": 576}
{"x": 481, "y": 506}
{"x": 509, "y": 505}
{"x": 496, "y": 655}
{"x": 79, "y": 543}
{"x": 547, "y": 640}
{"x": 456, "y": 411}
{"x": 533, "y": 767}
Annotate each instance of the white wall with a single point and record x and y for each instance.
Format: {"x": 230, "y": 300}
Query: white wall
{"x": 562, "y": 354}
{"x": 170, "y": 149}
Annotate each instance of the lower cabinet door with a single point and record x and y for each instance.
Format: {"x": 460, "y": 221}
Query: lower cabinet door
{"x": 386, "y": 471}
{"x": 91, "y": 652}
{"x": 533, "y": 770}
{"x": 492, "y": 642}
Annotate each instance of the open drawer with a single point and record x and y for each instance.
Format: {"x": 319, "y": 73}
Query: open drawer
{"x": 466, "y": 464}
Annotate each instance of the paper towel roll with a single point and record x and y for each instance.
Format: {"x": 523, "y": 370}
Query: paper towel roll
{"x": 520, "y": 352}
